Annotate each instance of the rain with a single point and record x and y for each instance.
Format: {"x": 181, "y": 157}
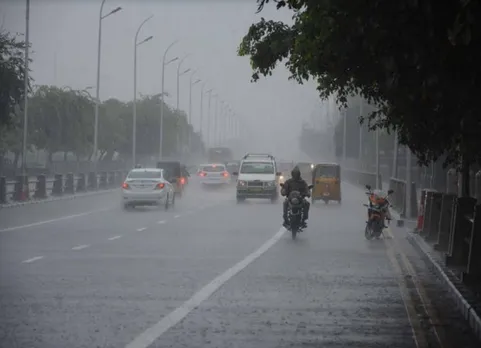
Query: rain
{"x": 149, "y": 200}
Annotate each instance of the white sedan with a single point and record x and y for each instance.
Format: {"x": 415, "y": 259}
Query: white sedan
{"x": 214, "y": 174}
{"x": 147, "y": 186}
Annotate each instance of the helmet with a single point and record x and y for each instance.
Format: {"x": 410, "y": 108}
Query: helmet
{"x": 296, "y": 173}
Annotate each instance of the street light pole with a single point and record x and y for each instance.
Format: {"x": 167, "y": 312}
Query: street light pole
{"x": 179, "y": 130}
{"x": 134, "y": 111}
{"x": 25, "y": 100}
{"x": 192, "y": 83}
{"x": 201, "y": 121}
{"x": 161, "y": 129}
{"x": 208, "y": 117}
{"x": 97, "y": 92}
{"x": 215, "y": 118}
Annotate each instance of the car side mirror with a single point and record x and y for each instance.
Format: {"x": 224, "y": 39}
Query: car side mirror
{"x": 368, "y": 187}
{"x": 390, "y": 192}
{"x": 235, "y": 173}
{"x": 278, "y": 174}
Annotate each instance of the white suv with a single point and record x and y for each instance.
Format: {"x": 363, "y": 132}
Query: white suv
{"x": 257, "y": 178}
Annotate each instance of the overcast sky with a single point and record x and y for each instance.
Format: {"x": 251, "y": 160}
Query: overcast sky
{"x": 64, "y": 36}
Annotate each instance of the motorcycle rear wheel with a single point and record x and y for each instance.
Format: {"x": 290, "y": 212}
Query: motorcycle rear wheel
{"x": 368, "y": 233}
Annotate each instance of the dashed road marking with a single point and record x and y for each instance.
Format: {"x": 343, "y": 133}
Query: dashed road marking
{"x": 146, "y": 338}
{"x": 161, "y": 222}
{"x": 141, "y": 229}
{"x": 53, "y": 220}
{"x": 80, "y": 247}
{"x": 114, "y": 237}
{"x": 176, "y": 216}
{"x": 33, "y": 259}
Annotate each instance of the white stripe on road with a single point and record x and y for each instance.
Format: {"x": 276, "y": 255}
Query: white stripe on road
{"x": 33, "y": 259}
{"x": 176, "y": 216}
{"x": 53, "y": 220}
{"x": 146, "y": 338}
{"x": 141, "y": 229}
{"x": 80, "y": 247}
{"x": 114, "y": 238}
{"x": 161, "y": 222}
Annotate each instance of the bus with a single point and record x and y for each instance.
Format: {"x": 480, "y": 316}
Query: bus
{"x": 219, "y": 155}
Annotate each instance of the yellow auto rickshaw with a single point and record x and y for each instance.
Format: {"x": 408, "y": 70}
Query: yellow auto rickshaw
{"x": 326, "y": 178}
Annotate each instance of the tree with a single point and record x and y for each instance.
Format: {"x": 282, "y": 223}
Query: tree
{"x": 416, "y": 61}
{"x": 12, "y": 75}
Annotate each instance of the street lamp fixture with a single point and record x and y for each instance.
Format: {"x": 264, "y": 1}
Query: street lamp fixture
{"x": 134, "y": 106}
{"x": 97, "y": 94}
{"x": 161, "y": 128}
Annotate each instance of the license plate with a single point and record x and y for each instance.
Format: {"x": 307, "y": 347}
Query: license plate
{"x": 255, "y": 189}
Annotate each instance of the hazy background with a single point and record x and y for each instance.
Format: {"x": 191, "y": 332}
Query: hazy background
{"x": 64, "y": 44}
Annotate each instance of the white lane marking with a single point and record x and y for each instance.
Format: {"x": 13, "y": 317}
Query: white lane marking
{"x": 146, "y": 338}
{"x": 161, "y": 222}
{"x": 176, "y": 216}
{"x": 141, "y": 229}
{"x": 53, "y": 220}
{"x": 114, "y": 237}
{"x": 33, "y": 259}
{"x": 80, "y": 247}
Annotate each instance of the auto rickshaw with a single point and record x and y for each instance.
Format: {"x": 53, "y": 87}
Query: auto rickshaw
{"x": 175, "y": 175}
{"x": 326, "y": 178}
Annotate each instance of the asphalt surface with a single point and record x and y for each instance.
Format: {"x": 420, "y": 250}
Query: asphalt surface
{"x": 213, "y": 273}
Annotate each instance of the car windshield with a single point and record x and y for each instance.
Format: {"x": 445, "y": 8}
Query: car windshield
{"x": 257, "y": 168}
{"x": 326, "y": 172}
{"x": 213, "y": 169}
{"x": 145, "y": 174}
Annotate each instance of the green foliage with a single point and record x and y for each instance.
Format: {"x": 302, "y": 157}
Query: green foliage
{"x": 418, "y": 62}
{"x": 63, "y": 120}
{"x": 12, "y": 75}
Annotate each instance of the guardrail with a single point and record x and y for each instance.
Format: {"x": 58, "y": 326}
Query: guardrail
{"x": 25, "y": 188}
{"x": 358, "y": 177}
{"x": 453, "y": 225}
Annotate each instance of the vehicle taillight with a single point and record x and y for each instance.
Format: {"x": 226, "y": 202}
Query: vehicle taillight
{"x": 202, "y": 174}
{"x": 125, "y": 186}
{"x": 226, "y": 174}
{"x": 182, "y": 181}
{"x": 160, "y": 185}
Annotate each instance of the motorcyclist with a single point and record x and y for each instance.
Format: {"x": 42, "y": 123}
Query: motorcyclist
{"x": 379, "y": 196}
{"x": 296, "y": 183}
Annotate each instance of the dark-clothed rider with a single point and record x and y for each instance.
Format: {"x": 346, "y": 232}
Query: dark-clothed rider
{"x": 296, "y": 183}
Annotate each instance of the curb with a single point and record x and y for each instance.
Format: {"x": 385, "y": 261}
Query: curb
{"x": 53, "y": 199}
{"x": 463, "y": 296}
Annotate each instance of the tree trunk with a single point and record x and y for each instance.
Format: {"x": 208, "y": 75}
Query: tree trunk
{"x": 465, "y": 166}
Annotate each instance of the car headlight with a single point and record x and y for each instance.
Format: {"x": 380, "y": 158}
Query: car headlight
{"x": 241, "y": 183}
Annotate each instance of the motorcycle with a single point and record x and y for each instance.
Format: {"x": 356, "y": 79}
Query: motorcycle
{"x": 294, "y": 211}
{"x": 376, "y": 211}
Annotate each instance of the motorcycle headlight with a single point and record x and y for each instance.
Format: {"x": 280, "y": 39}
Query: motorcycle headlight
{"x": 241, "y": 183}
{"x": 295, "y": 200}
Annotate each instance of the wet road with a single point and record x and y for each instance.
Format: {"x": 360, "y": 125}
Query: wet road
{"x": 207, "y": 273}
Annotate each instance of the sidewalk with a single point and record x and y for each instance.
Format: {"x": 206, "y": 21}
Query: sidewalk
{"x": 465, "y": 301}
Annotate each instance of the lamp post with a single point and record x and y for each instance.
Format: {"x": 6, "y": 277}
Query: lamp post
{"x": 161, "y": 129}
{"x": 25, "y": 100}
{"x": 215, "y": 118}
{"x": 134, "y": 106}
{"x": 97, "y": 92}
{"x": 201, "y": 120}
{"x": 207, "y": 140}
{"x": 192, "y": 83}
{"x": 179, "y": 130}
